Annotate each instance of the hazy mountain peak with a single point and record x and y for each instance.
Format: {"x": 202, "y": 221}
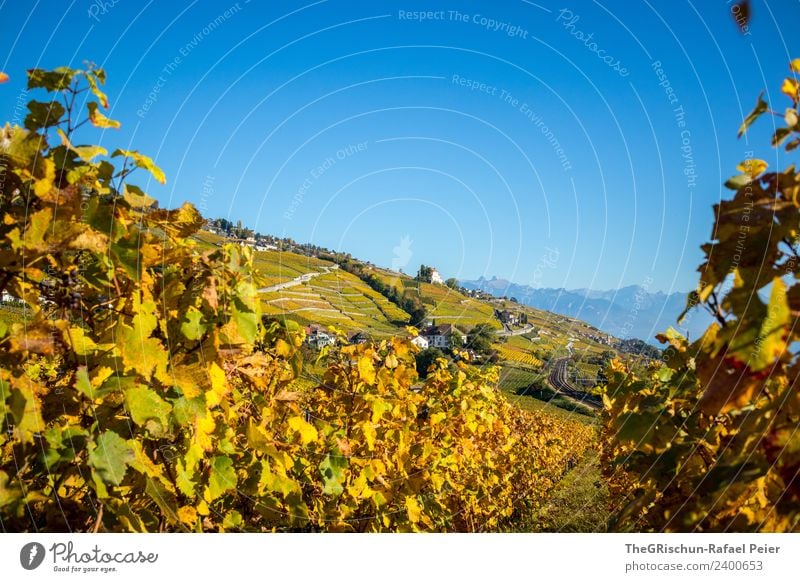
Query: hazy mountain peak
{"x": 631, "y": 311}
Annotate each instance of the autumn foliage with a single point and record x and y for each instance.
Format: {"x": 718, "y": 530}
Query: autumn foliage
{"x": 145, "y": 392}
{"x": 709, "y": 440}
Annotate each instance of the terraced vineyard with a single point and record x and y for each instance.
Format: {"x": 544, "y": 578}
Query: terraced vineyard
{"x": 519, "y": 356}
{"x": 443, "y": 304}
{"x": 333, "y": 298}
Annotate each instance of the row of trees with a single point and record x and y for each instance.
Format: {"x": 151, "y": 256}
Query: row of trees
{"x": 236, "y": 230}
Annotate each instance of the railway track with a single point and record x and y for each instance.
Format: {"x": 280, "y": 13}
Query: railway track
{"x": 559, "y": 380}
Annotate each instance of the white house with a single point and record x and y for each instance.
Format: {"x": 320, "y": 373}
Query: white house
{"x": 420, "y": 342}
{"x": 438, "y": 336}
{"x": 317, "y": 338}
{"x": 436, "y": 277}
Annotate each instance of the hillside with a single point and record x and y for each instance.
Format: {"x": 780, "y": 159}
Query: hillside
{"x": 443, "y": 304}
{"x": 327, "y": 289}
{"x": 352, "y": 296}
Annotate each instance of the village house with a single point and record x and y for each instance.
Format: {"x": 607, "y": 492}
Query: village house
{"x": 358, "y": 338}
{"x": 436, "y": 277}
{"x": 508, "y": 317}
{"x": 420, "y": 341}
{"x": 318, "y": 338}
{"x": 438, "y": 336}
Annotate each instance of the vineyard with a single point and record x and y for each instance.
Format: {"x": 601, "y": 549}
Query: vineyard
{"x": 518, "y": 355}
{"x": 444, "y": 304}
{"x": 146, "y": 391}
{"x": 333, "y": 298}
{"x": 151, "y": 384}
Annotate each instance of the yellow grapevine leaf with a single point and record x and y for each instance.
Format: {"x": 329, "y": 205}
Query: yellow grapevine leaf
{"x": 378, "y": 408}
{"x": 219, "y": 385}
{"x": 86, "y": 153}
{"x": 771, "y": 341}
{"x": 89, "y": 240}
{"x": 369, "y": 433}
{"x": 413, "y": 509}
{"x": 222, "y": 478}
{"x": 99, "y": 120}
{"x": 791, "y": 89}
{"x": 44, "y": 184}
{"x": 92, "y": 77}
{"x": 307, "y": 432}
{"x": 282, "y": 348}
{"x": 144, "y": 162}
{"x": 136, "y": 197}
{"x": 187, "y": 515}
{"x": 204, "y": 426}
{"x": 366, "y": 369}
{"x": 24, "y": 407}
{"x": 146, "y": 406}
{"x": 752, "y": 167}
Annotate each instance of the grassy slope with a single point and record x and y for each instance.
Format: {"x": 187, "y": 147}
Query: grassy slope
{"x": 579, "y": 503}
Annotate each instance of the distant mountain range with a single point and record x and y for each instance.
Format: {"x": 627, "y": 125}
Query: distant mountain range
{"x": 629, "y": 312}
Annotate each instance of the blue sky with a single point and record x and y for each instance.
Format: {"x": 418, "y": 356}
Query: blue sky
{"x": 494, "y": 136}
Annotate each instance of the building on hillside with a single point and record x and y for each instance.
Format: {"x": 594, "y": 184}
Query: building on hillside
{"x": 358, "y": 338}
{"x": 420, "y": 341}
{"x": 436, "y": 277}
{"x": 318, "y": 338}
{"x": 508, "y": 317}
{"x": 438, "y": 336}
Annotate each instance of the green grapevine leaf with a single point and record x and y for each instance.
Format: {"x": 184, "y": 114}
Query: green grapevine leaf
{"x": 222, "y": 478}
{"x": 110, "y": 457}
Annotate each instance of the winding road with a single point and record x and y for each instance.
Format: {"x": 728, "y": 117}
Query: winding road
{"x": 304, "y": 278}
{"x": 508, "y": 332}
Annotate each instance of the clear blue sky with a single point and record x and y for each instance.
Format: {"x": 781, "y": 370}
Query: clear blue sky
{"x": 267, "y": 103}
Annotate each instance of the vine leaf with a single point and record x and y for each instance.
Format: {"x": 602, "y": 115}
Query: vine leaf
{"x": 144, "y": 406}
{"x": 110, "y": 457}
{"x": 760, "y": 108}
{"x": 144, "y": 162}
{"x": 221, "y": 479}
{"x": 98, "y": 119}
